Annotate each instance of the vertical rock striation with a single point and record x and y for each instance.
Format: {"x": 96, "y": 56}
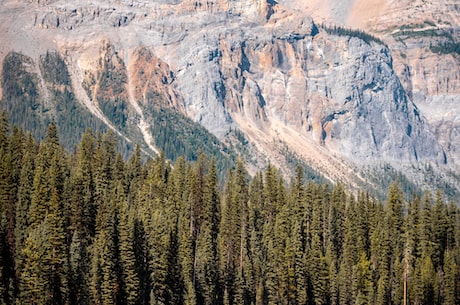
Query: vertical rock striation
{"x": 334, "y": 100}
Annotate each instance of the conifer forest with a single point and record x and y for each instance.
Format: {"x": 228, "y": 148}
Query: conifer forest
{"x": 90, "y": 227}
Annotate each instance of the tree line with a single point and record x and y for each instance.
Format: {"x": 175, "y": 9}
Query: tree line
{"x": 88, "y": 227}
{"x": 342, "y": 31}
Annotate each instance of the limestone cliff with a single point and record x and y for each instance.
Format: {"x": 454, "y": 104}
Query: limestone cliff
{"x": 336, "y": 102}
{"x": 424, "y": 39}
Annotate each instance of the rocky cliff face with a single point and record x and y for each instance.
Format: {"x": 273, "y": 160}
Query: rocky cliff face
{"x": 336, "y": 102}
{"x": 423, "y": 37}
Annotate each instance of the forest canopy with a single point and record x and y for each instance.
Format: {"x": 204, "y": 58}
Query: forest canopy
{"x": 88, "y": 227}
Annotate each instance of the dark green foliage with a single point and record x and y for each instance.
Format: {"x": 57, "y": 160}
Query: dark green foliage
{"x": 54, "y": 69}
{"x": 341, "y": 31}
{"x": 92, "y": 228}
{"x": 410, "y": 33}
{"x": 78, "y": 270}
{"x": 379, "y": 179}
{"x": 73, "y": 119}
{"x": 446, "y": 48}
{"x": 23, "y": 99}
{"x": 115, "y": 109}
{"x": 309, "y": 173}
{"x": 177, "y": 135}
{"x": 70, "y": 116}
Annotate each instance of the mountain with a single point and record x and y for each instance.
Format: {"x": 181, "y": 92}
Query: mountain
{"x": 349, "y": 95}
{"x": 423, "y": 37}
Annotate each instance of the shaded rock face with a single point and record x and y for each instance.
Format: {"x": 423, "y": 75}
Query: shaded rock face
{"x": 340, "y": 91}
{"x": 257, "y": 66}
{"x": 421, "y": 36}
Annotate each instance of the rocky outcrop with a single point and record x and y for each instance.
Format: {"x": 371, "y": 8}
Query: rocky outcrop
{"x": 340, "y": 91}
{"x": 421, "y": 35}
{"x": 257, "y": 66}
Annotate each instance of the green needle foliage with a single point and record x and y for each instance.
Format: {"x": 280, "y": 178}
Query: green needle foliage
{"x": 92, "y": 228}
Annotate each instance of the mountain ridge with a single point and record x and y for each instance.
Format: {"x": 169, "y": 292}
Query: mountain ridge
{"x": 334, "y": 101}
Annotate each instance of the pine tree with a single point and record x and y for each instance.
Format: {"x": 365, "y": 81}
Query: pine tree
{"x": 425, "y": 282}
{"x": 83, "y": 210}
{"x": 10, "y": 167}
{"x": 240, "y": 199}
{"x": 154, "y": 226}
{"x": 105, "y": 284}
{"x": 319, "y": 273}
{"x": 128, "y": 261}
{"x": 362, "y": 281}
{"x": 162, "y": 236}
{"x": 15, "y": 151}
{"x": 439, "y": 222}
{"x": 181, "y": 184}
{"x": 142, "y": 259}
{"x": 349, "y": 256}
{"x": 451, "y": 222}
{"x": 32, "y": 284}
{"x": 25, "y": 186}
{"x": 78, "y": 271}
{"x": 49, "y": 175}
{"x": 134, "y": 174}
{"x": 44, "y": 273}
{"x": 282, "y": 259}
{"x": 55, "y": 259}
{"x": 103, "y": 173}
{"x": 410, "y": 243}
{"x": 300, "y": 263}
{"x": 206, "y": 244}
{"x": 424, "y": 229}
{"x": 256, "y": 221}
{"x": 336, "y": 218}
{"x": 268, "y": 264}
{"x": 3, "y": 276}
{"x": 335, "y": 230}
{"x": 381, "y": 259}
{"x": 271, "y": 192}
{"x": 394, "y": 225}
{"x": 451, "y": 279}
{"x": 109, "y": 285}
{"x": 234, "y": 236}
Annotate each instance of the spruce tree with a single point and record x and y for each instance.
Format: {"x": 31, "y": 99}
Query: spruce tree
{"x": 381, "y": 258}
{"x": 439, "y": 223}
{"x": 103, "y": 173}
{"x": 55, "y": 259}
{"x": 349, "y": 255}
{"x": 83, "y": 209}
{"x": 450, "y": 293}
{"x": 10, "y": 167}
{"x": 362, "y": 281}
{"x": 25, "y": 187}
{"x": 424, "y": 229}
{"x": 181, "y": 184}
{"x": 134, "y": 174}
{"x": 335, "y": 228}
{"x": 206, "y": 244}
{"x": 49, "y": 175}
{"x": 45, "y": 270}
{"x": 33, "y": 285}
{"x": 394, "y": 225}
{"x": 79, "y": 260}
{"x": 227, "y": 235}
{"x": 256, "y": 221}
{"x": 319, "y": 273}
{"x": 130, "y": 277}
